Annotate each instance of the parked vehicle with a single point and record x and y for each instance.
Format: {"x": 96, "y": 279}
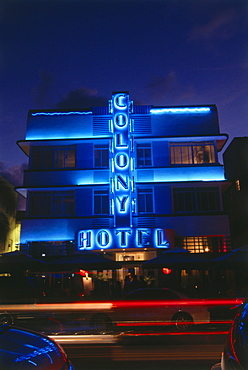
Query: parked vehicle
{"x": 25, "y": 349}
{"x": 235, "y": 353}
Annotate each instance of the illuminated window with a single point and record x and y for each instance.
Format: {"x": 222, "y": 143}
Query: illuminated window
{"x": 49, "y": 157}
{"x": 145, "y": 200}
{"x": 192, "y": 153}
{"x": 144, "y": 155}
{"x": 237, "y": 183}
{"x": 196, "y": 199}
{"x": 101, "y": 202}
{"x": 46, "y": 203}
{"x": 101, "y": 156}
{"x": 64, "y": 158}
{"x": 200, "y": 244}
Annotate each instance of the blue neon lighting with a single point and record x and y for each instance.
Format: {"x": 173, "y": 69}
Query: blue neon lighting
{"x": 58, "y": 113}
{"x": 122, "y": 238}
{"x": 121, "y": 161}
{"x": 179, "y": 110}
{"x": 120, "y": 101}
{"x": 91, "y": 239}
{"x": 175, "y": 174}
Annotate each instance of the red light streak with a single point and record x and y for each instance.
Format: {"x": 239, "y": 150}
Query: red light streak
{"x": 178, "y": 333}
{"x": 152, "y": 323}
{"x": 171, "y": 323}
{"x": 190, "y": 302}
{"x": 58, "y": 322}
{"x": 232, "y": 345}
{"x": 95, "y": 305}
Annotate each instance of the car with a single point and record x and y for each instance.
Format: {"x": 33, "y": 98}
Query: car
{"x": 235, "y": 352}
{"x": 25, "y": 349}
{"x": 139, "y": 309}
{"x": 160, "y": 307}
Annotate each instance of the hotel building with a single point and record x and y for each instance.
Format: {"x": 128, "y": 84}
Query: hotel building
{"x": 125, "y": 180}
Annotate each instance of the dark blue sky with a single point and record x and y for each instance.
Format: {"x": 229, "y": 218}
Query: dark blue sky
{"x": 57, "y": 53}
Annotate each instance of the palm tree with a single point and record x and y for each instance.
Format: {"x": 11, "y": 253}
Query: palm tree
{"x": 8, "y": 203}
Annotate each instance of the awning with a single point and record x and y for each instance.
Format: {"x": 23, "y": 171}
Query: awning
{"x": 19, "y": 261}
{"x": 237, "y": 259}
{"x": 85, "y": 261}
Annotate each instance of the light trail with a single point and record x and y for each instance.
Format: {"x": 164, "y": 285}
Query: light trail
{"x": 85, "y": 339}
{"x": 78, "y": 306}
{"x": 171, "y": 323}
{"x": 107, "y": 305}
{"x": 116, "y": 339}
{"x": 220, "y": 332}
{"x": 189, "y": 302}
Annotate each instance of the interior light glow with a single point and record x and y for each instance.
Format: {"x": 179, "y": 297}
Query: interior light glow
{"x": 58, "y": 113}
{"x": 179, "y": 110}
{"x": 166, "y": 270}
{"x": 84, "y": 273}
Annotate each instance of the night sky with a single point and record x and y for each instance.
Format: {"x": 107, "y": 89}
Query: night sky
{"x": 71, "y": 54}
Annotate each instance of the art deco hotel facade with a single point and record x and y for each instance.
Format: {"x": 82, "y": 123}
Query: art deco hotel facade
{"x": 124, "y": 180}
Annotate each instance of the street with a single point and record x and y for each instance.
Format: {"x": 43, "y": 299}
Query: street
{"x": 198, "y": 352}
{"x": 130, "y": 344}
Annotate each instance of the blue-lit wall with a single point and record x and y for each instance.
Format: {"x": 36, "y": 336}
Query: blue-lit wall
{"x": 185, "y": 123}
{"x": 66, "y": 125}
{"x": 57, "y": 126}
{"x": 64, "y": 229}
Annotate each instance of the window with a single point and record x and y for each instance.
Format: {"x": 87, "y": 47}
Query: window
{"x": 145, "y": 200}
{"x": 144, "y": 155}
{"x": 192, "y": 153}
{"x": 200, "y": 244}
{"x": 49, "y": 158}
{"x": 64, "y": 158}
{"x": 238, "y": 186}
{"x": 101, "y": 202}
{"x": 46, "y": 203}
{"x": 101, "y": 156}
{"x": 196, "y": 199}
{"x": 63, "y": 203}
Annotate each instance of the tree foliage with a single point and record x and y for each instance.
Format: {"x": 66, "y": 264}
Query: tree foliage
{"x": 8, "y": 203}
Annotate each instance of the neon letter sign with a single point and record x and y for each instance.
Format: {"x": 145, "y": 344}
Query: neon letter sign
{"x": 122, "y": 238}
{"x": 122, "y": 191}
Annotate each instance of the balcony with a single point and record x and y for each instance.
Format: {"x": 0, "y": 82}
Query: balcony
{"x": 181, "y": 173}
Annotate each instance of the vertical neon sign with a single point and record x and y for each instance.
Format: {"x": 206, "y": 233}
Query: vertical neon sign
{"x": 122, "y": 157}
{"x": 122, "y": 189}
